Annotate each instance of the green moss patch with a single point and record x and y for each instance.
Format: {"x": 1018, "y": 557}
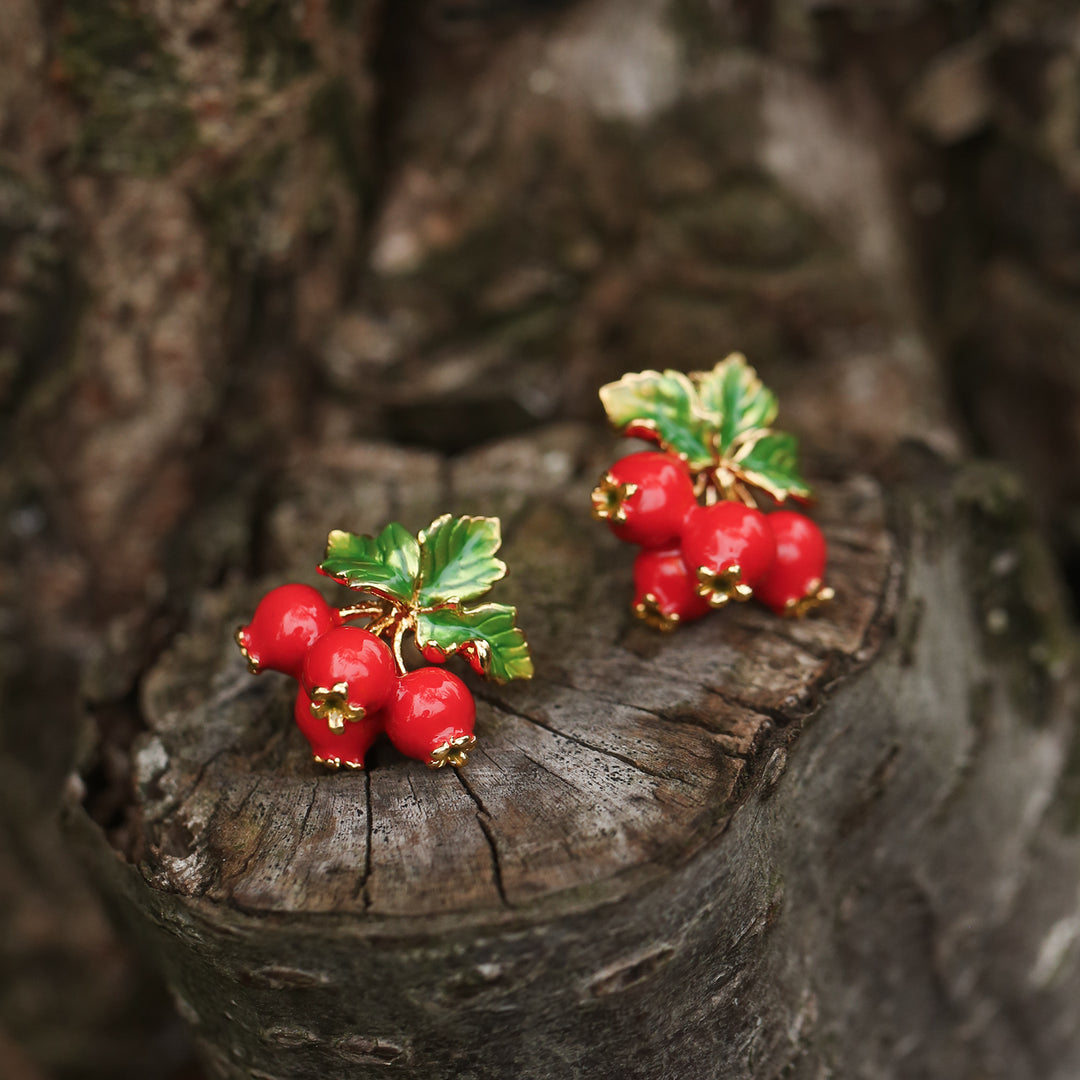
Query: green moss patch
{"x": 136, "y": 116}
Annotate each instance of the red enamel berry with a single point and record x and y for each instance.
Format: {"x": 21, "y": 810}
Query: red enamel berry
{"x": 336, "y": 747}
{"x": 642, "y": 431}
{"x": 287, "y": 622}
{"x": 644, "y": 498}
{"x": 729, "y": 548}
{"x": 348, "y": 674}
{"x": 665, "y": 592}
{"x": 433, "y": 654}
{"x": 794, "y": 584}
{"x": 471, "y": 651}
{"x": 431, "y": 717}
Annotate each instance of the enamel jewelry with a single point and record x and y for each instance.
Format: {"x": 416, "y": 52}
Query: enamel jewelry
{"x": 692, "y": 503}
{"x": 354, "y": 682}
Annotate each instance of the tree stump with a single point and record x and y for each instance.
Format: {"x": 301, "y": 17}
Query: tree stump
{"x": 755, "y": 847}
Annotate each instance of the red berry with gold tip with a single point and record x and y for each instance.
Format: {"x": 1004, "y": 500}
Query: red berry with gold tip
{"x": 729, "y": 549}
{"x": 336, "y": 747}
{"x": 431, "y": 717}
{"x": 665, "y": 593}
{"x": 348, "y": 674}
{"x": 433, "y": 654}
{"x": 287, "y": 622}
{"x": 475, "y": 653}
{"x": 642, "y": 431}
{"x": 645, "y": 498}
{"x": 794, "y": 584}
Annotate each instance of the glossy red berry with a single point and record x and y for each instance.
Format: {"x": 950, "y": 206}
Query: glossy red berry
{"x": 475, "y": 653}
{"x": 643, "y": 431}
{"x": 287, "y": 622}
{"x": 433, "y": 654}
{"x": 336, "y": 747}
{"x": 665, "y": 593}
{"x": 431, "y": 717}
{"x": 728, "y": 548}
{"x": 645, "y": 498}
{"x": 348, "y": 674}
{"x": 794, "y": 584}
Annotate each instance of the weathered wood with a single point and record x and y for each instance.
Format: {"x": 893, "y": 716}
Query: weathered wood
{"x": 640, "y": 873}
{"x": 624, "y": 746}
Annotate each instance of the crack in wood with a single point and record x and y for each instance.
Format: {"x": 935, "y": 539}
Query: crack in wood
{"x": 508, "y": 710}
{"x": 489, "y": 836}
{"x": 362, "y": 890}
{"x": 303, "y": 824}
{"x": 179, "y": 802}
{"x": 670, "y": 719}
{"x": 262, "y": 832}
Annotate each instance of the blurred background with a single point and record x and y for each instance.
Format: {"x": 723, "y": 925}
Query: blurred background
{"x": 240, "y": 236}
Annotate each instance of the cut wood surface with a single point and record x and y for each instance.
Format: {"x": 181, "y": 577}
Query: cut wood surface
{"x": 754, "y": 848}
{"x": 621, "y": 756}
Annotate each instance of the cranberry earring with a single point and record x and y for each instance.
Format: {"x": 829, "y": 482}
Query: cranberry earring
{"x": 691, "y": 504}
{"x": 354, "y": 683}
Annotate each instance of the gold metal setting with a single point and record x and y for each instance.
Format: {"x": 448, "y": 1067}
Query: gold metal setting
{"x": 609, "y": 497}
{"x": 241, "y": 640}
{"x": 332, "y": 705}
{"x": 715, "y": 483}
{"x": 648, "y": 610}
{"x": 723, "y": 586}
{"x": 335, "y": 762}
{"x": 816, "y": 595}
{"x": 455, "y": 752}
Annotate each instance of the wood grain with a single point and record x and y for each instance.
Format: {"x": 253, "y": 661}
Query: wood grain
{"x": 621, "y": 757}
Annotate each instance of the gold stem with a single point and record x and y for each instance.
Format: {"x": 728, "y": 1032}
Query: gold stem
{"x": 744, "y": 495}
{"x": 356, "y": 611}
{"x": 381, "y": 625}
{"x": 390, "y": 620}
{"x": 399, "y": 633}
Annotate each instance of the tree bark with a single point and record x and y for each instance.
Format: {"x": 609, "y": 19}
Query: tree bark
{"x": 753, "y": 848}
{"x": 237, "y": 238}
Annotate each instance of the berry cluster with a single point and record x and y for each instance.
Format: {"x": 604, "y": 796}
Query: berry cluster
{"x": 690, "y": 504}
{"x": 354, "y": 683}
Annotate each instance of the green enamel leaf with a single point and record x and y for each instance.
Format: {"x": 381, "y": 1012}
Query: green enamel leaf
{"x": 735, "y": 400}
{"x": 772, "y": 463}
{"x": 457, "y": 559}
{"x": 386, "y": 564}
{"x": 664, "y": 402}
{"x": 488, "y": 631}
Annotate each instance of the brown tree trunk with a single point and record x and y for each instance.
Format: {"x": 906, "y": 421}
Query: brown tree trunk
{"x": 239, "y": 242}
{"x": 755, "y": 848}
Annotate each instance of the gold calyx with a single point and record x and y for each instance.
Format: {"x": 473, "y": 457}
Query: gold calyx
{"x": 648, "y": 610}
{"x": 240, "y": 638}
{"x": 609, "y": 498}
{"x": 816, "y": 594}
{"x": 722, "y": 586}
{"x": 332, "y": 705}
{"x": 336, "y": 762}
{"x": 454, "y": 753}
